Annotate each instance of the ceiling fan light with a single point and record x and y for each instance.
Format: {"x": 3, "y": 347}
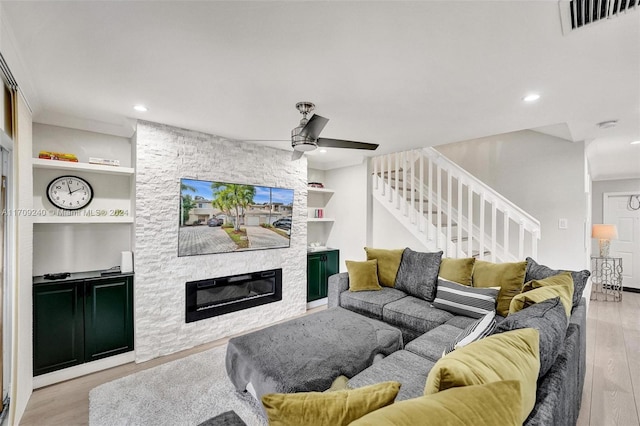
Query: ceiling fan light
{"x": 304, "y": 146}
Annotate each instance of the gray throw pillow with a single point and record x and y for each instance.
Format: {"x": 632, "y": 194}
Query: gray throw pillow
{"x": 550, "y": 319}
{"x": 418, "y": 274}
{"x": 536, "y": 271}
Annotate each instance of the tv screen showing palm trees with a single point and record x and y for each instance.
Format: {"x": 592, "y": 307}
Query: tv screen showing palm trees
{"x": 220, "y": 217}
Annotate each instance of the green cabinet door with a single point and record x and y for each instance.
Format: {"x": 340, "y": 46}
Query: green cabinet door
{"x": 58, "y": 326}
{"x": 108, "y": 317}
{"x": 320, "y": 266}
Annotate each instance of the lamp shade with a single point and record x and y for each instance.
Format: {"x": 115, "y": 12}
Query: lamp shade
{"x": 604, "y": 232}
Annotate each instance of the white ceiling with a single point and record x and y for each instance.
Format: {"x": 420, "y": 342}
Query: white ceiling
{"x": 401, "y": 74}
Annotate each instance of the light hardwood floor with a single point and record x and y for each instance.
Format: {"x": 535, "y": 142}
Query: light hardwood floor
{"x": 611, "y": 391}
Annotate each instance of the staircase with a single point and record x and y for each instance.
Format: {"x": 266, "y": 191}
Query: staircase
{"x": 446, "y": 208}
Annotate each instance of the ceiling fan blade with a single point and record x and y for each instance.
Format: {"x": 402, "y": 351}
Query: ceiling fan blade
{"x": 339, "y": 143}
{"x": 313, "y": 128}
{"x": 296, "y": 155}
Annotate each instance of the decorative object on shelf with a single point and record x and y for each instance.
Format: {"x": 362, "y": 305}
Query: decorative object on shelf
{"x": 126, "y": 261}
{"x": 606, "y": 275}
{"x": 60, "y": 156}
{"x": 318, "y": 213}
{"x": 57, "y": 276}
{"x": 69, "y": 192}
{"x": 103, "y": 161}
{"x": 604, "y": 233}
{"x": 315, "y": 185}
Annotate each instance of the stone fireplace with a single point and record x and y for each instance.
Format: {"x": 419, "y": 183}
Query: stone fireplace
{"x": 164, "y": 155}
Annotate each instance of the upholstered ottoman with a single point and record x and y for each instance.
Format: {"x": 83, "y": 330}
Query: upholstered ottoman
{"x": 308, "y": 353}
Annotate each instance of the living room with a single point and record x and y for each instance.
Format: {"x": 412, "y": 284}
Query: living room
{"x": 221, "y": 81}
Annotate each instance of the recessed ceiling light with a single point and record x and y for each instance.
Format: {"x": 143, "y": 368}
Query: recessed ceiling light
{"x": 140, "y": 108}
{"x": 531, "y": 97}
{"x": 635, "y": 142}
{"x": 608, "y": 124}
{"x": 322, "y": 151}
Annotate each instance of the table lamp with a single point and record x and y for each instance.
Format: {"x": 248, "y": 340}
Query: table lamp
{"x": 604, "y": 233}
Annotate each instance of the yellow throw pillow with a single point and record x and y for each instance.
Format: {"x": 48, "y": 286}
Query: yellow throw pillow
{"x": 496, "y": 403}
{"x": 509, "y": 276}
{"x": 363, "y": 275}
{"x": 513, "y": 355}
{"x": 559, "y": 279}
{"x": 327, "y": 408}
{"x": 561, "y": 285}
{"x": 339, "y": 383}
{"x": 457, "y": 270}
{"x": 388, "y": 264}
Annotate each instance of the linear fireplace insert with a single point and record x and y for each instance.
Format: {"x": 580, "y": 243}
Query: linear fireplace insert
{"x": 218, "y": 296}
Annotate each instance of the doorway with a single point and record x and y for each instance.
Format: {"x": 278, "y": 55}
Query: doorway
{"x": 623, "y": 210}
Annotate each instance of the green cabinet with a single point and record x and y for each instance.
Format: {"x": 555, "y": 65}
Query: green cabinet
{"x": 108, "y": 317}
{"x": 81, "y": 319}
{"x": 58, "y": 326}
{"x": 320, "y": 266}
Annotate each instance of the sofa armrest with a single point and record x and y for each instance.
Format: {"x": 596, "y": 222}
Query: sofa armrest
{"x": 337, "y": 284}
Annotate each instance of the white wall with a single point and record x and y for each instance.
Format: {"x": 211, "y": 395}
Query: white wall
{"x": 349, "y": 206}
{"x": 164, "y": 155}
{"x": 543, "y": 175}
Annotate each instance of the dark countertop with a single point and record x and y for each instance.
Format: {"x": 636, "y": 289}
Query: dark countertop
{"x": 79, "y": 276}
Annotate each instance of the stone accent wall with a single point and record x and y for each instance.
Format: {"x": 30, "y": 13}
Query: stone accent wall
{"x": 164, "y": 154}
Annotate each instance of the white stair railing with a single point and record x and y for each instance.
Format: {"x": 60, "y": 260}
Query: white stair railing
{"x": 448, "y": 209}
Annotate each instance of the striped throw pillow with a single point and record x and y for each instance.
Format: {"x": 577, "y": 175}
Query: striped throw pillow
{"x": 478, "y": 330}
{"x": 463, "y": 300}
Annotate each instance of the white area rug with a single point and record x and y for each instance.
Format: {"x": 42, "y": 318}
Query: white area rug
{"x": 185, "y": 392}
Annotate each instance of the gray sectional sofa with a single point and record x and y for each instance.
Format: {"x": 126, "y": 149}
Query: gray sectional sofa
{"x": 427, "y": 331}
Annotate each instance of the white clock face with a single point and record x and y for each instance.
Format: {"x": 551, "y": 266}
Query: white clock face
{"x": 69, "y": 192}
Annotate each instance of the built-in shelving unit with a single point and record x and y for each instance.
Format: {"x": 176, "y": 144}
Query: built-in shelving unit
{"x": 317, "y": 199}
{"x": 39, "y": 163}
{"x": 89, "y": 239}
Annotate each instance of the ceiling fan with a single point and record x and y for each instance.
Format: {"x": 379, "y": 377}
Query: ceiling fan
{"x": 305, "y": 137}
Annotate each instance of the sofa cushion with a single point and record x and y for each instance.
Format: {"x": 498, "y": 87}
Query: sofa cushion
{"x": 457, "y": 270}
{"x": 541, "y": 294}
{"x": 550, "y": 320}
{"x": 416, "y": 314}
{"x": 491, "y": 404}
{"x": 363, "y": 275}
{"x": 462, "y": 300}
{"x": 432, "y": 343}
{"x": 322, "y": 408}
{"x": 370, "y": 303}
{"x": 461, "y": 321}
{"x": 402, "y": 366}
{"x": 418, "y": 274}
{"x": 536, "y": 271}
{"x": 388, "y": 264}
{"x": 508, "y": 276}
{"x": 474, "y": 332}
{"x": 513, "y": 355}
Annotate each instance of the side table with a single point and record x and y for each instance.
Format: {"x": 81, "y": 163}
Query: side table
{"x": 606, "y": 276}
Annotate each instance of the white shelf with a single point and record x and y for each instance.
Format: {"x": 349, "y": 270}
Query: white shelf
{"x": 311, "y": 190}
{"x": 82, "y": 219}
{"x": 40, "y": 163}
{"x": 320, "y": 219}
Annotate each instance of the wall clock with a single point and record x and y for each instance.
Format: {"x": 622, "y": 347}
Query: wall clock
{"x": 69, "y": 192}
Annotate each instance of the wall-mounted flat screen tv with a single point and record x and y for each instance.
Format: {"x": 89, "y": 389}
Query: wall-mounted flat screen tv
{"x": 222, "y": 217}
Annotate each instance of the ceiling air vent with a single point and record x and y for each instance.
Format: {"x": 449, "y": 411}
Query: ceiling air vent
{"x": 578, "y": 13}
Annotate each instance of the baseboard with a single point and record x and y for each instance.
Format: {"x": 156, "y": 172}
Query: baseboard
{"x": 316, "y": 303}
{"x": 82, "y": 369}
